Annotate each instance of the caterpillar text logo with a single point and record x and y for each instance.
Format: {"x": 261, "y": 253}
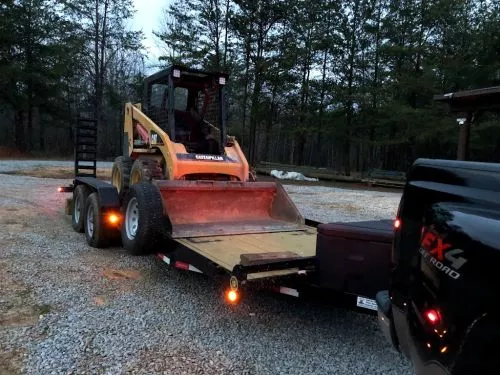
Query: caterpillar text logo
{"x": 209, "y": 157}
{"x": 440, "y": 254}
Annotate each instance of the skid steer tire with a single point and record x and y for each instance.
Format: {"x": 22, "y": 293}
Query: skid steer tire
{"x": 144, "y": 225}
{"x": 96, "y": 233}
{"x": 80, "y": 195}
{"x": 145, "y": 169}
{"x": 120, "y": 174}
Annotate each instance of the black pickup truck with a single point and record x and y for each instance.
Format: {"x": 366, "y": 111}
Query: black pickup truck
{"x": 442, "y": 307}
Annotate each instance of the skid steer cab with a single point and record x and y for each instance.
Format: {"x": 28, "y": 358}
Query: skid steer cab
{"x": 179, "y": 129}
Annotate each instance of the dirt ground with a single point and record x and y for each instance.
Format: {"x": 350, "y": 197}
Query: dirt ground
{"x": 13, "y": 153}
{"x": 105, "y": 174}
{"x": 18, "y": 309}
{"x": 58, "y": 172}
{"x": 66, "y": 308}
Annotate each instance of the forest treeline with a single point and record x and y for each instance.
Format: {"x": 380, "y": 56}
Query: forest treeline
{"x": 345, "y": 84}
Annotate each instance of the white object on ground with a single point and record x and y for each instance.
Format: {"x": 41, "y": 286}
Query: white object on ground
{"x": 291, "y": 176}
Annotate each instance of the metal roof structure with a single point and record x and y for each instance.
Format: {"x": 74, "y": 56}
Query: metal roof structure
{"x": 485, "y": 99}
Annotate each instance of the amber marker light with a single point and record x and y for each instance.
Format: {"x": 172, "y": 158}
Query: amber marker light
{"x": 113, "y": 218}
{"x": 232, "y": 296}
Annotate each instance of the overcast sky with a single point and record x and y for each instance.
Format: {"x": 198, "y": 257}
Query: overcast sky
{"x": 147, "y": 18}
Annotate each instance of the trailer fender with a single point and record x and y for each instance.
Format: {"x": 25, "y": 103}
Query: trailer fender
{"x": 107, "y": 193}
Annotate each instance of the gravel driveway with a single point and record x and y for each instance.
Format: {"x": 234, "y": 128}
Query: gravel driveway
{"x": 66, "y": 308}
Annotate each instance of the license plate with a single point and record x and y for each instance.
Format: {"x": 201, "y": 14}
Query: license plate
{"x": 366, "y": 303}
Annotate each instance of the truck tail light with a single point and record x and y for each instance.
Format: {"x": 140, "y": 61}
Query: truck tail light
{"x": 397, "y": 224}
{"x": 432, "y": 316}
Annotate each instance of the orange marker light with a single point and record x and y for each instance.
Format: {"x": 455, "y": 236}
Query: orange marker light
{"x": 232, "y": 296}
{"x": 444, "y": 349}
{"x": 113, "y": 218}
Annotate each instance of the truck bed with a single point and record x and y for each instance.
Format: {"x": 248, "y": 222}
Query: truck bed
{"x": 232, "y": 250}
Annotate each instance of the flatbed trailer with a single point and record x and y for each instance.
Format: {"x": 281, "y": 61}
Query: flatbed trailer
{"x": 348, "y": 258}
{"x": 182, "y": 188}
{"x": 277, "y": 259}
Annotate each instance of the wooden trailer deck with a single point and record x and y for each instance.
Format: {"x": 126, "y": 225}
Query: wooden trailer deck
{"x": 247, "y": 249}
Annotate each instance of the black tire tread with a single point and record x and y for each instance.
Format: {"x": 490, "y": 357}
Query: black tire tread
{"x": 151, "y": 231}
{"x": 101, "y": 236}
{"x": 124, "y": 164}
{"x": 83, "y": 192}
{"x": 149, "y": 169}
{"x": 478, "y": 353}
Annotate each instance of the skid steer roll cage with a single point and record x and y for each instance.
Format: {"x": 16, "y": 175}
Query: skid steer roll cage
{"x": 179, "y": 76}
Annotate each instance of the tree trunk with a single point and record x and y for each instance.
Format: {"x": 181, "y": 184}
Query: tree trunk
{"x": 322, "y": 95}
{"x": 19, "y": 131}
{"x": 30, "y": 117}
{"x": 257, "y": 89}
{"x": 41, "y": 130}
{"x": 245, "y": 90}
{"x": 29, "y": 82}
{"x": 375, "y": 84}
{"x": 350, "y": 91}
{"x": 463, "y": 139}
{"x": 254, "y": 119}
{"x": 304, "y": 96}
{"x": 226, "y": 31}
{"x": 269, "y": 124}
{"x": 96, "y": 65}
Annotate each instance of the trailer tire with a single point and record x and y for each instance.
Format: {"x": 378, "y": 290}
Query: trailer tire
{"x": 120, "y": 174}
{"x": 80, "y": 195}
{"x": 144, "y": 225}
{"x": 95, "y": 231}
{"x": 145, "y": 169}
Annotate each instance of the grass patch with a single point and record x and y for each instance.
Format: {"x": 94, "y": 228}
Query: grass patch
{"x": 10, "y": 222}
{"x": 44, "y": 309}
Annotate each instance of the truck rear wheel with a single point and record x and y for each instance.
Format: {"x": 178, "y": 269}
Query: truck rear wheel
{"x": 80, "y": 195}
{"x": 145, "y": 169}
{"x": 144, "y": 225}
{"x": 95, "y": 231}
{"x": 120, "y": 174}
{"x": 479, "y": 353}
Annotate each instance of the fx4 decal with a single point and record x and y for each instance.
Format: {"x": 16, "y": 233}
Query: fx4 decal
{"x": 440, "y": 254}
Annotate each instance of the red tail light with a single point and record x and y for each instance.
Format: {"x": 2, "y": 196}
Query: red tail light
{"x": 432, "y": 316}
{"x": 181, "y": 265}
{"x": 397, "y": 224}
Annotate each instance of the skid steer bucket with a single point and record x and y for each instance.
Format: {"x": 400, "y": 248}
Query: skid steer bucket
{"x": 214, "y": 208}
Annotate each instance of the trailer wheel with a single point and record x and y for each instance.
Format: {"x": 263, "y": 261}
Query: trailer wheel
{"x": 95, "y": 232}
{"x": 145, "y": 169}
{"x": 144, "y": 225}
{"x": 80, "y": 195}
{"x": 120, "y": 174}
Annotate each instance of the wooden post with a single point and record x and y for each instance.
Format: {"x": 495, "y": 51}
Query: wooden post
{"x": 463, "y": 138}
